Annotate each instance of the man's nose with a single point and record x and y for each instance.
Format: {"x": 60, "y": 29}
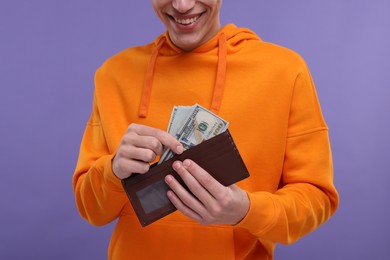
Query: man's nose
{"x": 183, "y": 6}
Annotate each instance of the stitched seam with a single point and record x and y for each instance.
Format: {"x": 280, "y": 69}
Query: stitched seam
{"x": 93, "y": 124}
{"x": 310, "y": 131}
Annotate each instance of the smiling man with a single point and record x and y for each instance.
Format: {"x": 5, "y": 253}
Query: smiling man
{"x": 189, "y": 23}
{"x": 266, "y": 94}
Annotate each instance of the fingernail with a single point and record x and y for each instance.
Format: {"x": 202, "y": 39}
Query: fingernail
{"x": 168, "y": 178}
{"x": 186, "y": 163}
{"x": 176, "y": 165}
{"x": 179, "y": 149}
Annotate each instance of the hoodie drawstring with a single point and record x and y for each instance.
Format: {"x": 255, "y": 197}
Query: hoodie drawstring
{"x": 219, "y": 81}
{"x": 221, "y": 75}
{"x": 148, "y": 84}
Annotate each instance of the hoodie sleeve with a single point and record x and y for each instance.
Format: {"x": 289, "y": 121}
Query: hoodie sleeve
{"x": 98, "y": 192}
{"x": 307, "y": 196}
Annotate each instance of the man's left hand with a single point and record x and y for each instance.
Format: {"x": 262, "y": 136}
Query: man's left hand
{"x": 213, "y": 203}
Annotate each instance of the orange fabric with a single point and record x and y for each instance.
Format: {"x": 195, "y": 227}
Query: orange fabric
{"x": 221, "y": 75}
{"x": 219, "y": 84}
{"x": 147, "y": 91}
{"x": 274, "y": 117}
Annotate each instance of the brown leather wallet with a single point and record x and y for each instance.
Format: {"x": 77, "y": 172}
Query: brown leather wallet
{"x": 147, "y": 192}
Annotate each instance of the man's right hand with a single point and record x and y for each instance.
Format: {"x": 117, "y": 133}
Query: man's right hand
{"x": 140, "y": 146}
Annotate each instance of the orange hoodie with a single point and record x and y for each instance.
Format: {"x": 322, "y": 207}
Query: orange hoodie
{"x": 266, "y": 94}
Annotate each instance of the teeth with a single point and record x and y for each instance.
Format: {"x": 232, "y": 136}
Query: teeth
{"x": 187, "y": 21}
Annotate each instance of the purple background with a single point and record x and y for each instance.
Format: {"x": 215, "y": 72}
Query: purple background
{"x": 49, "y": 51}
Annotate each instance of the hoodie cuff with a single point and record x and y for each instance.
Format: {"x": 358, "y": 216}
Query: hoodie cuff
{"x": 109, "y": 177}
{"x": 261, "y": 215}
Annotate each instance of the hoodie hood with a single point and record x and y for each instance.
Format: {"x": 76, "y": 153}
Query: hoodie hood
{"x": 230, "y": 39}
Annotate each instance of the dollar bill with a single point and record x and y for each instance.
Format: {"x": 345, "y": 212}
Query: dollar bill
{"x": 193, "y": 125}
{"x": 178, "y": 116}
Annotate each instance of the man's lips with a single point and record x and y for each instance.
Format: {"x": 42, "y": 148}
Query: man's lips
{"x": 186, "y": 20}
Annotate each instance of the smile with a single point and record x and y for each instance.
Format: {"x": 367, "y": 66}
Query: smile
{"x": 186, "y": 21}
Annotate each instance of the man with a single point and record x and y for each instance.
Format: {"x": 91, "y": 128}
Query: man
{"x": 266, "y": 94}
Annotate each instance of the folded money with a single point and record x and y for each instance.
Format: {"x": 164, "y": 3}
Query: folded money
{"x": 192, "y": 125}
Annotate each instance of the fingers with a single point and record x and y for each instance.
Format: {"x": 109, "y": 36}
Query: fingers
{"x": 198, "y": 180}
{"x": 144, "y": 148}
{"x": 209, "y": 202}
{"x": 179, "y": 204}
{"x": 124, "y": 167}
{"x": 156, "y": 135}
{"x": 200, "y": 183}
{"x": 140, "y": 146}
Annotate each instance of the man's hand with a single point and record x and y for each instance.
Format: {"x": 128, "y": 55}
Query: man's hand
{"x": 140, "y": 146}
{"x": 213, "y": 204}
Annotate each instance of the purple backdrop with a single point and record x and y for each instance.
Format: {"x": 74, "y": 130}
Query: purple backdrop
{"x": 49, "y": 51}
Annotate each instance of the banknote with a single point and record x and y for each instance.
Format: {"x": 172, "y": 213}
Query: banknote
{"x": 193, "y": 125}
{"x": 178, "y": 116}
